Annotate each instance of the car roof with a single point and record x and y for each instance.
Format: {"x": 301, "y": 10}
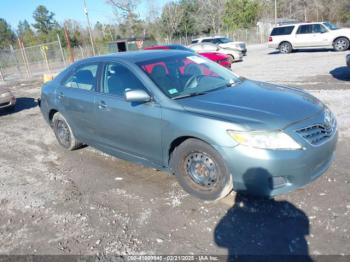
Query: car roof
{"x": 209, "y": 37}
{"x": 137, "y": 56}
{"x": 301, "y": 23}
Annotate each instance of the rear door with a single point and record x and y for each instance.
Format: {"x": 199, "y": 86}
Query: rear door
{"x": 132, "y": 128}
{"x": 76, "y": 95}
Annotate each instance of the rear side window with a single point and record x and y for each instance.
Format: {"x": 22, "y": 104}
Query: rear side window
{"x": 83, "y": 78}
{"x": 208, "y": 40}
{"x": 286, "y": 30}
{"x": 194, "y": 41}
{"x": 305, "y": 29}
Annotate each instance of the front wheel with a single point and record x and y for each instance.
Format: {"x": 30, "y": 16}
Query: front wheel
{"x": 285, "y": 48}
{"x": 341, "y": 44}
{"x": 63, "y": 132}
{"x": 201, "y": 170}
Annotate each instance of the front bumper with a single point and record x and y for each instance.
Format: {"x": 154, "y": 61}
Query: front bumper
{"x": 7, "y": 101}
{"x": 273, "y": 172}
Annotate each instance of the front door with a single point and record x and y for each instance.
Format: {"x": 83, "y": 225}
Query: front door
{"x": 132, "y": 128}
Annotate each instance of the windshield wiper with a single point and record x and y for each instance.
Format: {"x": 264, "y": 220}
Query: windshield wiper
{"x": 190, "y": 95}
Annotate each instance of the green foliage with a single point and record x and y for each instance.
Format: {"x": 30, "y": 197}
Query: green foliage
{"x": 7, "y": 36}
{"x": 240, "y": 13}
{"x": 25, "y": 32}
{"x": 188, "y": 24}
{"x": 44, "y": 20}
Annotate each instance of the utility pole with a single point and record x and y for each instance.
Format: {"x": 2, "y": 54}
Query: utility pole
{"x": 89, "y": 27}
{"x": 275, "y": 12}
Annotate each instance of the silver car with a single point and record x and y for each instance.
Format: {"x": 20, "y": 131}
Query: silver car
{"x": 180, "y": 112}
{"x": 7, "y": 99}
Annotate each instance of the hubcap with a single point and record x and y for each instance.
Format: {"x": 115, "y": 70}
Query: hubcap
{"x": 284, "y": 48}
{"x": 63, "y": 133}
{"x": 341, "y": 44}
{"x": 201, "y": 169}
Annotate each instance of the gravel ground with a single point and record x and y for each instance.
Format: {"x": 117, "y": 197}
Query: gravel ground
{"x": 86, "y": 202}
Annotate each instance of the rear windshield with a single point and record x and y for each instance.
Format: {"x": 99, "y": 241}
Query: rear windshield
{"x": 286, "y": 30}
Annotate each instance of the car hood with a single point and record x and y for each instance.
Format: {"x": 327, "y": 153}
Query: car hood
{"x": 344, "y": 31}
{"x": 255, "y": 105}
{"x": 3, "y": 90}
{"x": 233, "y": 45}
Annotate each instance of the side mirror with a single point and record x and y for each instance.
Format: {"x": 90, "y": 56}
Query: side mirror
{"x": 137, "y": 95}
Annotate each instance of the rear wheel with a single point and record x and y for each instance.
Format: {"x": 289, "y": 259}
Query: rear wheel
{"x": 63, "y": 132}
{"x": 231, "y": 58}
{"x": 341, "y": 44}
{"x": 285, "y": 48}
{"x": 201, "y": 171}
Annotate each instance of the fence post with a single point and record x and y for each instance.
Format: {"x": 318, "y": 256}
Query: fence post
{"x": 17, "y": 62}
{"x": 68, "y": 45}
{"x": 23, "y": 57}
{"x": 26, "y": 58}
{"x": 82, "y": 52}
{"x": 61, "y": 49}
{"x": 1, "y": 76}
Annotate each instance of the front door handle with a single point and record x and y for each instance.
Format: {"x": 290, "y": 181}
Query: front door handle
{"x": 102, "y": 105}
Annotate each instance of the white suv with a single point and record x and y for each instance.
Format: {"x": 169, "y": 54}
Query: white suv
{"x": 309, "y": 35}
{"x": 223, "y": 42}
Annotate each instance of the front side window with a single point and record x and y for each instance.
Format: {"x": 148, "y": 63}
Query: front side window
{"x": 181, "y": 76}
{"x": 117, "y": 78}
{"x": 318, "y": 28}
{"x": 83, "y": 78}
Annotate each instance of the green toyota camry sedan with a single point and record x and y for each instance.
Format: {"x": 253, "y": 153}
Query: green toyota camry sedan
{"x": 180, "y": 112}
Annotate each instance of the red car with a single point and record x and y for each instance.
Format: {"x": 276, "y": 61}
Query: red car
{"x": 219, "y": 58}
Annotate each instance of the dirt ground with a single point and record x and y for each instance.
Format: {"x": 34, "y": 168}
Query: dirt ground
{"x": 86, "y": 202}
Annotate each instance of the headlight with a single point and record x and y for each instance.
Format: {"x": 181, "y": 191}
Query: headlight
{"x": 6, "y": 94}
{"x": 265, "y": 140}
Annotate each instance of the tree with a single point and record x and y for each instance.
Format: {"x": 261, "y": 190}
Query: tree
{"x": 172, "y": 15}
{"x": 240, "y": 13}
{"x": 7, "y": 36}
{"x": 189, "y": 24}
{"x": 211, "y": 14}
{"x": 25, "y": 32}
{"x": 44, "y": 20}
{"x": 125, "y": 11}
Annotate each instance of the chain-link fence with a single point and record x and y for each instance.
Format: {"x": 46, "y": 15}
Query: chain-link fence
{"x": 31, "y": 61}
{"x": 28, "y": 62}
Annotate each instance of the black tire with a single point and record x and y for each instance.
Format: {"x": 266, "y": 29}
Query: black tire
{"x": 12, "y": 108}
{"x": 231, "y": 59}
{"x": 285, "y": 48}
{"x": 63, "y": 132}
{"x": 193, "y": 157}
{"x": 341, "y": 44}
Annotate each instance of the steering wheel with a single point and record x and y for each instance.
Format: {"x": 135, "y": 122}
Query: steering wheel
{"x": 192, "y": 82}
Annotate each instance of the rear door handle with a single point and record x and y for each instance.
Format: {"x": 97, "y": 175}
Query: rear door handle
{"x": 102, "y": 105}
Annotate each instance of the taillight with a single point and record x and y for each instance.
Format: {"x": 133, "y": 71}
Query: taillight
{"x": 270, "y": 39}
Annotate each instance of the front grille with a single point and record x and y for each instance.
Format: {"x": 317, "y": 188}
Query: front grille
{"x": 317, "y": 134}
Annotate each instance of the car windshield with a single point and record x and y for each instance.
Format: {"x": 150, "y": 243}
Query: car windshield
{"x": 330, "y": 25}
{"x": 225, "y": 40}
{"x": 181, "y": 76}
